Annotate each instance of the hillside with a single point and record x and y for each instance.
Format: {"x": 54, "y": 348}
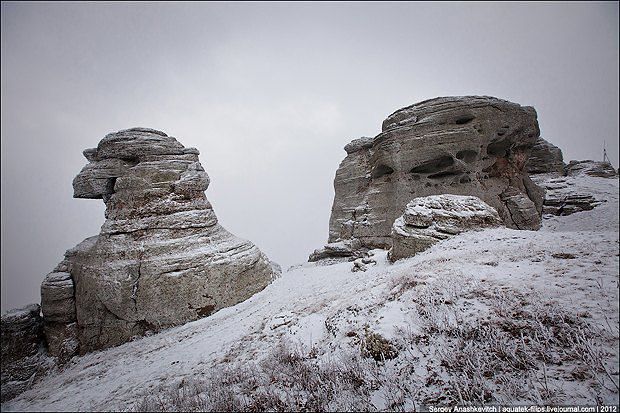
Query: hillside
{"x": 494, "y": 316}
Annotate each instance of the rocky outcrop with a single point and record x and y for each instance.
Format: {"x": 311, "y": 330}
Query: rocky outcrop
{"x": 562, "y": 198}
{"x": 548, "y": 170}
{"x": 545, "y": 158}
{"x": 58, "y": 303}
{"x": 591, "y": 168}
{"x": 471, "y": 145}
{"x": 428, "y": 220}
{"x": 343, "y": 250}
{"x": 161, "y": 258}
{"x": 22, "y": 340}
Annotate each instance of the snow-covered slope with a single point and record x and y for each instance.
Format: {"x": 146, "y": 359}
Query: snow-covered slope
{"x": 491, "y": 316}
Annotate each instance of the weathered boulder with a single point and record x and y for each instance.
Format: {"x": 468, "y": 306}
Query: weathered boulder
{"x": 428, "y": 220}
{"x": 22, "y": 339}
{"x": 591, "y": 168}
{"x": 59, "y": 315}
{"x": 21, "y": 333}
{"x": 460, "y": 145}
{"x": 348, "y": 249}
{"x": 161, "y": 258}
{"x": 545, "y": 158}
{"x": 562, "y": 198}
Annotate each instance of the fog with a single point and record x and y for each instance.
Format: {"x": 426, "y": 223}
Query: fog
{"x": 269, "y": 93}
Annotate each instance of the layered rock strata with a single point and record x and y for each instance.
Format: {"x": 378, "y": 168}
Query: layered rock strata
{"x": 343, "y": 250}
{"x": 591, "y": 168}
{"x": 561, "y": 197}
{"x": 545, "y": 158}
{"x": 22, "y": 342}
{"x": 428, "y": 220}
{"x": 161, "y": 258}
{"x": 473, "y": 145}
{"x": 549, "y": 171}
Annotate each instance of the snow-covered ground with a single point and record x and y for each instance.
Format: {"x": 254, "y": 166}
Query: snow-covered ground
{"x": 514, "y": 286}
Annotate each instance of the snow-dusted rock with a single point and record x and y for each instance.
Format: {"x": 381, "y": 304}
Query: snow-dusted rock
{"x": 592, "y": 168}
{"x": 59, "y": 315}
{"x": 58, "y": 298}
{"x": 563, "y": 197}
{"x": 430, "y": 219}
{"x": 21, "y": 333}
{"x": 161, "y": 258}
{"x": 545, "y": 158}
{"x": 347, "y": 248}
{"x": 21, "y": 341}
{"x": 473, "y": 145}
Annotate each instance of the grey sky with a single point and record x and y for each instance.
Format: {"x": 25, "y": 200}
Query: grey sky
{"x": 269, "y": 93}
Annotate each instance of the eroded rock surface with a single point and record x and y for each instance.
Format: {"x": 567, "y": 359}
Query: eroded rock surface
{"x": 549, "y": 172}
{"x": 428, "y": 220}
{"x": 458, "y": 145}
{"x": 22, "y": 342}
{"x": 161, "y": 258}
{"x": 348, "y": 249}
{"x": 561, "y": 196}
{"x": 545, "y": 157}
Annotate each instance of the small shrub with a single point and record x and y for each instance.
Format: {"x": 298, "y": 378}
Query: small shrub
{"x": 378, "y": 347}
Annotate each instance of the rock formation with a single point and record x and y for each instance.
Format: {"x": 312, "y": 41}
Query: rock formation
{"x": 549, "y": 172}
{"x": 22, "y": 339}
{"x": 591, "y": 168}
{"x": 561, "y": 198}
{"x": 60, "y": 327}
{"x": 428, "y": 220}
{"x": 161, "y": 258}
{"x": 341, "y": 250}
{"x": 458, "y": 145}
{"x": 545, "y": 158}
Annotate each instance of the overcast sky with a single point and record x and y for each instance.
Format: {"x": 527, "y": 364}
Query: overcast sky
{"x": 269, "y": 93}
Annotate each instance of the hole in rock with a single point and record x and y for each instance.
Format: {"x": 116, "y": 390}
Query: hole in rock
{"x": 465, "y": 179}
{"x": 498, "y": 148}
{"x": 463, "y": 119}
{"x": 381, "y": 170}
{"x": 109, "y": 186}
{"x": 502, "y": 130}
{"x": 131, "y": 160}
{"x": 467, "y": 155}
{"x": 443, "y": 174}
{"x": 434, "y": 165}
